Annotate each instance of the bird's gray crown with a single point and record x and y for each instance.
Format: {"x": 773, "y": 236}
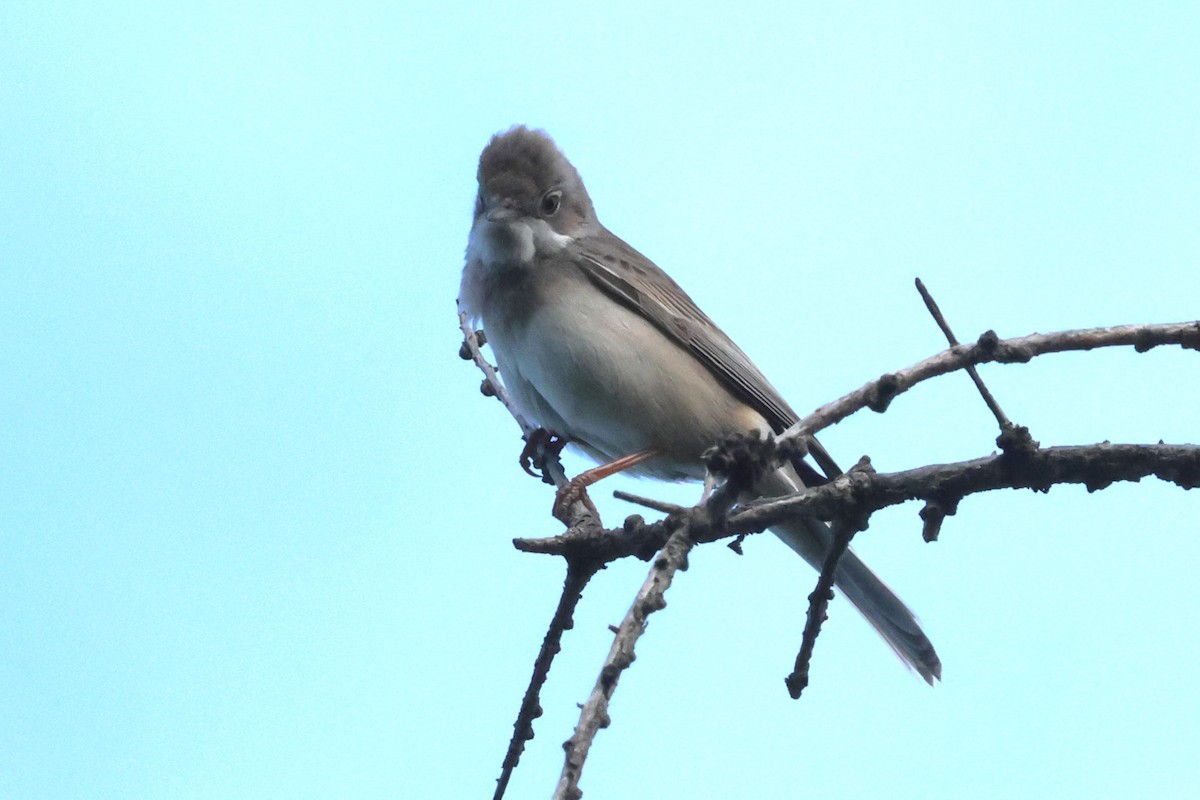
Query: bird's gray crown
{"x": 521, "y": 164}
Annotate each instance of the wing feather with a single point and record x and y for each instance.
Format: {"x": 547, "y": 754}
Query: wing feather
{"x": 636, "y": 282}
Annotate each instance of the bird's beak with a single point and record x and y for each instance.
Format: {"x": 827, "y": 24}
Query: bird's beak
{"x": 502, "y": 213}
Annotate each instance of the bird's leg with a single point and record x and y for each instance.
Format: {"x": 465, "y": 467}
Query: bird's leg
{"x": 576, "y": 488}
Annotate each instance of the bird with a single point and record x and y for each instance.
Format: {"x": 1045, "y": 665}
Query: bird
{"x": 600, "y": 347}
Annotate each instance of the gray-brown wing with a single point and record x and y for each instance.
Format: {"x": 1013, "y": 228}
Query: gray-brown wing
{"x": 634, "y": 280}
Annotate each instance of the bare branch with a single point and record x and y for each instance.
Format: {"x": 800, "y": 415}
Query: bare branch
{"x": 563, "y": 620}
{"x": 877, "y": 394}
{"x": 1095, "y": 466}
{"x": 859, "y": 493}
{"x": 594, "y": 713}
{"x": 818, "y": 606}
{"x": 492, "y": 385}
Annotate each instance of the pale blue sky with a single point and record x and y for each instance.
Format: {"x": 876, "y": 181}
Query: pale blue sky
{"x": 255, "y": 517}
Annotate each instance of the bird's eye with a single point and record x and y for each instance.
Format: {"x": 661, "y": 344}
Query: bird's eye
{"x": 550, "y": 202}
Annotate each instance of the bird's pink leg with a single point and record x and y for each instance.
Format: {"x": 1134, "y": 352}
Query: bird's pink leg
{"x": 576, "y": 488}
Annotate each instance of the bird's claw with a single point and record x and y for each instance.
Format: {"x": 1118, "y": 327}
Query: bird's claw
{"x": 540, "y": 445}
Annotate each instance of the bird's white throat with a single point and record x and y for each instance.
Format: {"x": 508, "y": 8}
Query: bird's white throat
{"x": 516, "y": 242}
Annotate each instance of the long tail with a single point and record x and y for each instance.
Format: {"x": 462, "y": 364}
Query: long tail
{"x": 885, "y": 611}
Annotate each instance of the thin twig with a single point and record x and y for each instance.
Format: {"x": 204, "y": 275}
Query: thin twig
{"x": 648, "y": 502}
{"x": 491, "y": 377}
{"x": 984, "y": 392}
{"x": 818, "y": 607}
{"x": 594, "y": 713}
{"x": 578, "y": 576}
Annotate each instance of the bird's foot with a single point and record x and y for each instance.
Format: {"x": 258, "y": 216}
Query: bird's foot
{"x": 540, "y": 446}
{"x": 573, "y": 491}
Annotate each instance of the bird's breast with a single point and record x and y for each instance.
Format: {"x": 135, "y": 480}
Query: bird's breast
{"x": 587, "y": 367}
